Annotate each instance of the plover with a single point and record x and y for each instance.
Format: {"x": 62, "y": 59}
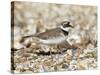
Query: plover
{"x": 55, "y": 36}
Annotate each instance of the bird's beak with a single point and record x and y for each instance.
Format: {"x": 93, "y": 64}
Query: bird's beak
{"x": 71, "y": 26}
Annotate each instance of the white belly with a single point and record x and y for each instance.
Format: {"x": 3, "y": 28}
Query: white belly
{"x": 56, "y": 40}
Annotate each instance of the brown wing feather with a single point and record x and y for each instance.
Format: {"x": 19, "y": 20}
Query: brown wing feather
{"x": 49, "y": 33}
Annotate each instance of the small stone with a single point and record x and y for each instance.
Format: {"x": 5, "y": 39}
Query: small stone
{"x": 65, "y": 66}
{"x": 81, "y": 65}
{"x": 90, "y": 46}
{"x": 34, "y": 46}
{"x": 94, "y": 65}
{"x": 26, "y": 54}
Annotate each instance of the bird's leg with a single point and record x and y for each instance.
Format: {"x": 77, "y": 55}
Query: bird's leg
{"x": 51, "y": 52}
{"x": 62, "y": 47}
{"x": 68, "y": 45}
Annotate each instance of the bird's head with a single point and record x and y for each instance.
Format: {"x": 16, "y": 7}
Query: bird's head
{"x": 66, "y": 26}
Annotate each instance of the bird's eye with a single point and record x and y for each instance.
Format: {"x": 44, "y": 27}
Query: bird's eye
{"x": 65, "y": 25}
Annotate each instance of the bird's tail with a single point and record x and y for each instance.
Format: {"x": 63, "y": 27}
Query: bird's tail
{"x": 26, "y": 37}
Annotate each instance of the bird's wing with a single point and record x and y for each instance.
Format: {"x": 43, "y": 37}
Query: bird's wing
{"x": 49, "y": 34}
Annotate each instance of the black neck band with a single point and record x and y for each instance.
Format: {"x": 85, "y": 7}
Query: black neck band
{"x": 65, "y": 32}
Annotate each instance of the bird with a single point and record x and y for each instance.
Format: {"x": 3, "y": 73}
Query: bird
{"x": 55, "y": 36}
